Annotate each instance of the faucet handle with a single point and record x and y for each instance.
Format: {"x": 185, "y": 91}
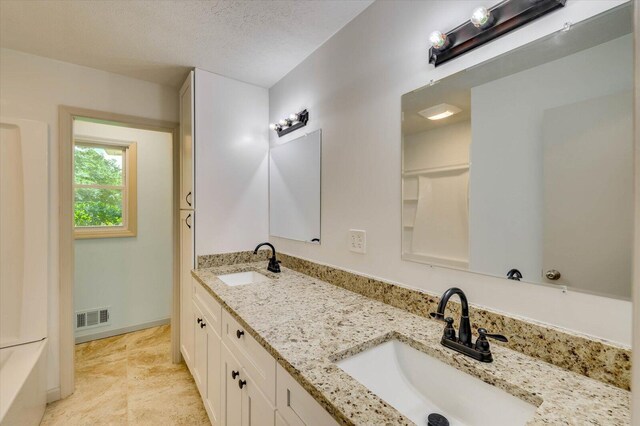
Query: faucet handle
{"x": 483, "y": 333}
{"x": 482, "y": 344}
{"x": 437, "y": 315}
{"x": 449, "y": 331}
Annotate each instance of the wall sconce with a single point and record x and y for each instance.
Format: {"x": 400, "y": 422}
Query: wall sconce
{"x": 291, "y": 123}
{"x": 486, "y": 25}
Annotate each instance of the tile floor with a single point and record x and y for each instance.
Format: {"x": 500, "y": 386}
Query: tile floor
{"x": 129, "y": 380}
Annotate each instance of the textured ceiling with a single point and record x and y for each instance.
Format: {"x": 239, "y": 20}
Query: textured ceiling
{"x": 253, "y": 41}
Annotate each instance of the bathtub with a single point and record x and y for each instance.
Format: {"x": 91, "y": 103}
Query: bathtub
{"x": 23, "y": 378}
{"x": 24, "y": 236}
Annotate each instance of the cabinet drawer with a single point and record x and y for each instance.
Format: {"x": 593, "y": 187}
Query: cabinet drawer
{"x": 210, "y": 307}
{"x": 255, "y": 360}
{"x": 296, "y": 406}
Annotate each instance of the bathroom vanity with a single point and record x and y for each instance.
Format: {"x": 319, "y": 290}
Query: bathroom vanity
{"x": 290, "y": 349}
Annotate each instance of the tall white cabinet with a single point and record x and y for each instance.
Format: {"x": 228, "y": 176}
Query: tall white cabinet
{"x": 224, "y": 148}
{"x": 187, "y": 219}
{"x": 187, "y": 127}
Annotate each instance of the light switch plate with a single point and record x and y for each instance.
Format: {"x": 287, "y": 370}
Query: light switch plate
{"x": 357, "y": 241}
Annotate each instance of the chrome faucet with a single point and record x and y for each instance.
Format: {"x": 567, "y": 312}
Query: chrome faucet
{"x": 274, "y": 264}
{"x": 463, "y": 343}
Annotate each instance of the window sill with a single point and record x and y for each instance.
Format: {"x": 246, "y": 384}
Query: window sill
{"x": 107, "y": 233}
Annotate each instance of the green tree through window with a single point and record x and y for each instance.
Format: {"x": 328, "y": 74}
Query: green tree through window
{"x": 99, "y": 186}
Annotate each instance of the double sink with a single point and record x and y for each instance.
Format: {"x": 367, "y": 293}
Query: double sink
{"x": 422, "y": 388}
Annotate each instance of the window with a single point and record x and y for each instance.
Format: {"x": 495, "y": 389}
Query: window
{"x": 104, "y": 186}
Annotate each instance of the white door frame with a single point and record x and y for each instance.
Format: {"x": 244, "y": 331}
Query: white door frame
{"x": 66, "y": 236}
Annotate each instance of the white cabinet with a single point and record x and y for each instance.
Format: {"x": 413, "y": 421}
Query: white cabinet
{"x": 187, "y": 145}
{"x": 256, "y": 409}
{"x": 200, "y": 351}
{"x": 231, "y": 401}
{"x": 206, "y": 356}
{"x": 214, "y": 389}
{"x": 295, "y": 406}
{"x": 242, "y": 401}
{"x": 239, "y": 381}
{"x": 187, "y": 325}
{"x": 255, "y": 359}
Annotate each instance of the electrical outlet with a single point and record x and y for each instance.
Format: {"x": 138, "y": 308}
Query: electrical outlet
{"x": 357, "y": 241}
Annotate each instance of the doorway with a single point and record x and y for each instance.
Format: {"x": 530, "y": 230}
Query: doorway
{"x": 118, "y": 229}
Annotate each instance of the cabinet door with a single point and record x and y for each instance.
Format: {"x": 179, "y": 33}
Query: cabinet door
{"x": 186, "y": 144}
{"x": 200, "y": 352}
{"x": 296, "y": 406}
{"x": 213, "y": 373}
{"x": 231, "y": 401}
{"x": 187, "y": 324}
{"x": 256, "y": 409}
{"x": 279, "y": 420}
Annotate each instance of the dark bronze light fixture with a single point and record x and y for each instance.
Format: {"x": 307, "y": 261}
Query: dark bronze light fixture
{"x": 291, "y": 123}
{"x": 486, "y": 25}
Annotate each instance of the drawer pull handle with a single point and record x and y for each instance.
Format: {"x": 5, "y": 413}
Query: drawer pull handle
{"x": 235, "y": 374}
{"x": 203, "y": 325}
{"x": 199, "y": 320}
{"x": 242, "y": 383}
{"x": 239, "y": 333}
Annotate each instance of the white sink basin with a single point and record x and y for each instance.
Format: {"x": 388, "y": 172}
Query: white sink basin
{"x": 242, "y": 278}
{"x": 417, "y": 385}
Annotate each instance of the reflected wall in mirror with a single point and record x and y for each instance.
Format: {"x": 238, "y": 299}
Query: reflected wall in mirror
{"x": 526, "y": 162}
{"x": 294, "y": 188}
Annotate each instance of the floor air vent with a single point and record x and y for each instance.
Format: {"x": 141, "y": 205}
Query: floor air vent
{"x": 92, "y": 318}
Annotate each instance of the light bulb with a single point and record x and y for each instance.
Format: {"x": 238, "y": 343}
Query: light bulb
{"x": 437, "y": 39}
{"x": 480, "y": 17}
{"x": 283, "y": 122}
{"x": 293, "y": 117}
{"x": 272, "y": 126}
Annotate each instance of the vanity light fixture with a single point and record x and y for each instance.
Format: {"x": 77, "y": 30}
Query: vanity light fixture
{"x": 439, "y": 111}
{"x": 487, "y": 24}
{"x": 291, "y": 123}
{"x": 438, "y": 40}
{"x": 481, "y": 17}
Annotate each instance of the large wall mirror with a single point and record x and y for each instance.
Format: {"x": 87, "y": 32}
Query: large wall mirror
{"x": 522, "y": 166}
{"x": 294, "y": 188}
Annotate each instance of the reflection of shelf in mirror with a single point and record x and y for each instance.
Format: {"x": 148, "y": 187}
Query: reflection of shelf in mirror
{"x": 407, "y": 226}
{"x": 435, "y": 170}
{"x": 436, "y": 260}
{"x": 410, "y": 200}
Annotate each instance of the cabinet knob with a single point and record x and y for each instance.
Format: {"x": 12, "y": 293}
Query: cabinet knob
{"x": 242, "y": 383}
{"x": 203, "y": 325}
{"x": 235, "y": 374}
{"x": 239, "y": 333}
{"x": 187, "y": 198}
{"x": 199, "y": 320}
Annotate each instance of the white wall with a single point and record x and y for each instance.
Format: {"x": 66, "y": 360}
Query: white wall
{"x": 506, "y": 215}
{"x": 231, "y": 152}
{"x": 133, "y": 276}
{"x": 33, "y": 87}
{"x": 352, "y": 87}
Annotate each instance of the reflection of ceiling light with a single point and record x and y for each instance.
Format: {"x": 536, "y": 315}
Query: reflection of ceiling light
{"x": 439, "y": 112}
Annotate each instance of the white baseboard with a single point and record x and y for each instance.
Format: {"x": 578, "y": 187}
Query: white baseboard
{"x": 53, "y": 394}
{"x": 110, "y": 333}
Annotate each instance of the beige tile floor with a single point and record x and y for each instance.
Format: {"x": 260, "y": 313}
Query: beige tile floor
{"x": 129, "y": 380}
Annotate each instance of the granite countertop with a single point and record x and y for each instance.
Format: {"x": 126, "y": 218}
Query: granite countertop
{"x": 307, "y": 325}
